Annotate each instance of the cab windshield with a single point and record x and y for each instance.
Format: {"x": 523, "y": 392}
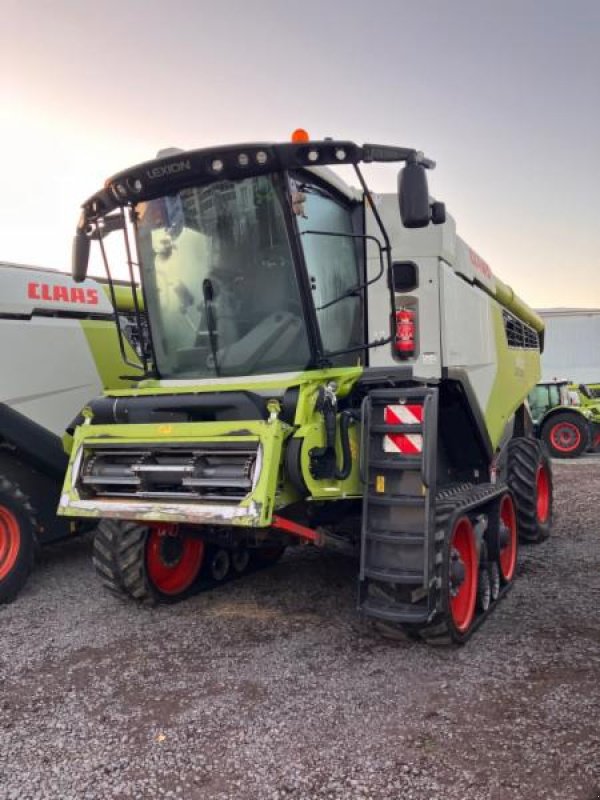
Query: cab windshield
{"x": 220, "y": 282}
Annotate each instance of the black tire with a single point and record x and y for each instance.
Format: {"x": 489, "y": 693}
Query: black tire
{"x": 528, "y": 463}
{"x": 566, "y": 434}
{"x": 17, "y": 539}
{"x": 120, "y": 559}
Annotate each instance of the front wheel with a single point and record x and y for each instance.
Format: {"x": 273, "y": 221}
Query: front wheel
{"x": 150, "y": 563}
{"x": 566, "y": 435}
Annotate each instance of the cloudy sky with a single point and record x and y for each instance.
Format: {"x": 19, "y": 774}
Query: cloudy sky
{"x": 504, "y": 95}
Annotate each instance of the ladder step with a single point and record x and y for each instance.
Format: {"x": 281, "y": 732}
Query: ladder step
{"x": 393, "y": 537}
{"x": 408, "y": 501}
{"x": 394, "y": 612}
{"x": 395, "y": 428}
{"x": 404, "y": 577}
{"x": 396, "y": 461}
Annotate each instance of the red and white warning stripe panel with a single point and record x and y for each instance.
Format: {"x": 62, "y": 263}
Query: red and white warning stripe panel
{"x": 406, "y": 443}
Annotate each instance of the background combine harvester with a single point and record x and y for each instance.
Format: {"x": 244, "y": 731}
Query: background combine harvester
{"x": 323, "y": 368}
{"x": 59, "y": 348}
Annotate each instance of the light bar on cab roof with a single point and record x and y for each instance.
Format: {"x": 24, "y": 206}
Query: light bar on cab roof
{"x": 179, "y": 170}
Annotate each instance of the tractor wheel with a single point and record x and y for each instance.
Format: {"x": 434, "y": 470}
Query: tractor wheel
{"x": 17, "y": 540}
{"x": 529, "y": 476}
{"x": 151, "y": 563}
{"x": 566, "y": 435}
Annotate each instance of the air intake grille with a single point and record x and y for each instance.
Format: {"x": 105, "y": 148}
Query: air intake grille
{"x": 220, "y": 471}
{"x": 518, "y": 334}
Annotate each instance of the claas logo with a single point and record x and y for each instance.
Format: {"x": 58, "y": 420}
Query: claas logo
{"x": 62, "y": 294}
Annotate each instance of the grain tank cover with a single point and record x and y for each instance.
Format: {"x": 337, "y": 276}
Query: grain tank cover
{"x": 25, "y": 291}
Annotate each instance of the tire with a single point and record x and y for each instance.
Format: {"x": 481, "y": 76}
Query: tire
{"x": 529, "y": 476}
{"x": 17, "y": 540}
{"x": 149, "y": 563}
{"x": 566, "y": 434}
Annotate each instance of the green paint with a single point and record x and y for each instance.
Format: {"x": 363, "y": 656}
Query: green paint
{"x": 103, "y": 341}
{"x": 273, "y": 490}
{"x": 517, "y": 372}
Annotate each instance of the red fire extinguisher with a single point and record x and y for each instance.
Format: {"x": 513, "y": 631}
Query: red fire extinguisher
{"x": 404, "y": 340}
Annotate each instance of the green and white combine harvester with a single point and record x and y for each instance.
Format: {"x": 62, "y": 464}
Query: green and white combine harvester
{"x": 59, "y": 349}
{"x": 324, "y": 367}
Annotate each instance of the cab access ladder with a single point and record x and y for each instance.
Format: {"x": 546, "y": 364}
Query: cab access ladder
{"x": 397, "y": 570}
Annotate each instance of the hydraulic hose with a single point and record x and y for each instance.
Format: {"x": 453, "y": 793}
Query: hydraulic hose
{"x": 346, "y": 419}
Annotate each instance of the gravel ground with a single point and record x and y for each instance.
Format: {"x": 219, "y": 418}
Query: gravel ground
{"x": 272, "y": 688}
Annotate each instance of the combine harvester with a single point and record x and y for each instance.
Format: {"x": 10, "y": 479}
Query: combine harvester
{"x": 325, "y": 367}
{"x": 59, "y": 349}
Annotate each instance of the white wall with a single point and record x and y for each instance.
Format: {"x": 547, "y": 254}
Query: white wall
{"x": 572, "y": 346}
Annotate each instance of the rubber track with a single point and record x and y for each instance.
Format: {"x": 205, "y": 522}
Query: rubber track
{"x": 450, "y": 502}
{"x": 20, "y": 498}
{"x": 524, "y": 457}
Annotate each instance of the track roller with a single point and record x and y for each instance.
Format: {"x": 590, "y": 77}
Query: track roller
{"x": 240, "y": 560}
{"x": 484, "y": 589}
{"x": 494, "y": 571}
{"x": 219, "y": 564}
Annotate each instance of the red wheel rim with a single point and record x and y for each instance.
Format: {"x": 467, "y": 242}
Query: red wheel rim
{"x": 172, "y": 560}
{"x": 508, "y": 553}
{"x": 10, "y": 541}
{"x": 565, "y": 437}
{"x": 542, "y": 483}
{"x": 463, "y": 555}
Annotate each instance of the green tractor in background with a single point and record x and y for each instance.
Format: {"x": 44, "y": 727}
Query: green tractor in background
{"x": 566, "y": 418}
{"x": 589, "y": 398}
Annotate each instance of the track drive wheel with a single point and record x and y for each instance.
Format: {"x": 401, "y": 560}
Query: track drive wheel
{"x": 151, "y": 563}
{"x": 529, "y": 476}
{"x": 566, "y": 434}
{"x": 17, "y": 540}
{"x": 459, "y": 590}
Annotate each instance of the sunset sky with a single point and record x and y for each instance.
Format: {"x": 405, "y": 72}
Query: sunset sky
{"x": 504, "y": 95}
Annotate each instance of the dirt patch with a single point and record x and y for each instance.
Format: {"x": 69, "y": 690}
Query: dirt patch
{"x": 272, "y": 688}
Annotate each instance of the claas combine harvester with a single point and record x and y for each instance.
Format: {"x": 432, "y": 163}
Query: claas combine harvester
{"x": 323, "y": 366}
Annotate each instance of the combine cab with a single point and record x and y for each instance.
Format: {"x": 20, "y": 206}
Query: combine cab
{"x": 325, "y": 368}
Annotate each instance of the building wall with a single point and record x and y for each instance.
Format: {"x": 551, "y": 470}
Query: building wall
{"x": 572, "y": 345}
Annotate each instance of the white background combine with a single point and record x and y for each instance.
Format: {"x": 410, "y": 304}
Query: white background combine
{"x": 48, "y": 371}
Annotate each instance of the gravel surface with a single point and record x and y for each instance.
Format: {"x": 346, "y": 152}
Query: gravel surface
{"x": 271, "y": 687}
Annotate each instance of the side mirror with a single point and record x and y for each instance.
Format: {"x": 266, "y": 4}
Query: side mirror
{"x": 81, "y": 255}
{"x": 413, "y": 196}
{"x": 438, "y": 213}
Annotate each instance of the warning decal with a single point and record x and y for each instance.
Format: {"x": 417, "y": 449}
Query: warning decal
{"x": 406, "y": 443}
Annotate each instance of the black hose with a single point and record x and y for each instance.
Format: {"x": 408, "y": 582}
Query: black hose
{"x": 346, "y": 419}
